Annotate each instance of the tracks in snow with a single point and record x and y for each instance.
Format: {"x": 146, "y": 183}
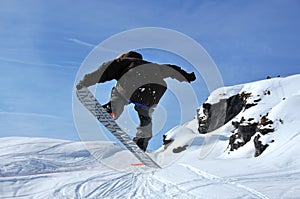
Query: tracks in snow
{"x": 102, "y": 182}
{"x": 212, "y": 179}
{"x": 115, "y": 184}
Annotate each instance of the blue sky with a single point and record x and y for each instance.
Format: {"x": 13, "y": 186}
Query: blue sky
{"x": 43, "y": 44}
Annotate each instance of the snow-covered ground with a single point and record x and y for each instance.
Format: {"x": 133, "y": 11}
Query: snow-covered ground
{"x": 50, "y": 168}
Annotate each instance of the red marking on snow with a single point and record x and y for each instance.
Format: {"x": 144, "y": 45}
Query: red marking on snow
{"x": 137, "y": 164}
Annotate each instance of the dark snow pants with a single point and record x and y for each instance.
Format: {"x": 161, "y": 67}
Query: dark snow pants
{"x": 144, "y": 130}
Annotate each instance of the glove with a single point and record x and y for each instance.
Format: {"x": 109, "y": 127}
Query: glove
{"x": 79, "y": 85}
{"x": 190, "y": 77}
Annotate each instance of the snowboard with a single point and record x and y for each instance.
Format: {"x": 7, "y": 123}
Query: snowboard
{"x": 91, "y": 103}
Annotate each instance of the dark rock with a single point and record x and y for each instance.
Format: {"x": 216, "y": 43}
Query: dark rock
{"x": 264, "y": 121}
{"x": 259, "y": 147}
{"x": 257, "y": 100}
{"x": 233, "y": 143}
{"x": 166, "y": 142}
{"x": 265, "y": 131}
{"x": 180, "y": 149}
{"x": 242, "y": 120}
{"x": 250, "y": 105}
{"x": 234, "y": 107}
{"x": 267, "y": 92}
{"x": 216, "y": 115}
{"x": 235, "y": 124}
{"x": 206, "y": 108}
{"x": 246, "y": 131}
{"x": 245, "y": 95}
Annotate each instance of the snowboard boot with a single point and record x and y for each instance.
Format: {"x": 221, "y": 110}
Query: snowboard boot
{"x": 141, "y": 142}
{"x": 107, "y": 108}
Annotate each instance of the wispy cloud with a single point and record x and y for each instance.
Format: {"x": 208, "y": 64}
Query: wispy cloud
{"x": 92, "y": 45}
{"x": 35, "y": 63}
{"x": 82, "y": 42}
{"x": 26, "y": 114}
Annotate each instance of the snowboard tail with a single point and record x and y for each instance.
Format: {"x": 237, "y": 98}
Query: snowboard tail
{"x": 90, "y": 102}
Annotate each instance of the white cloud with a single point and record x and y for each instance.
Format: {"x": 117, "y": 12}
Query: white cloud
{"x": 4, "y": 113}
{"x": 81, "y": 42}
{"x": 35, "y": 63}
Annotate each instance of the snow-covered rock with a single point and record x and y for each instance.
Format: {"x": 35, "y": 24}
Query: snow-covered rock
{"x": 257, "y": 111}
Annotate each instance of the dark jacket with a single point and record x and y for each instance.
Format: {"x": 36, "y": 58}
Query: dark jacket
{"x": 138, "y": 81}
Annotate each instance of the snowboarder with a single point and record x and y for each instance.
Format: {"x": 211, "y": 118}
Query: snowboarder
{"x": 138, "y": 82}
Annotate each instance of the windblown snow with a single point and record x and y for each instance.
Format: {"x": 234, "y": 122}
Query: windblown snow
{"x": 194, "y": 165}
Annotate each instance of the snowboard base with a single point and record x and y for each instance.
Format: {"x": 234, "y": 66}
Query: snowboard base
{"x": 91, "y": 103}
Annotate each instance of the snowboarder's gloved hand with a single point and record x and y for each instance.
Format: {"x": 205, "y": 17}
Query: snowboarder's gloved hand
{"x": 190, "y": 77}
{"x": 79, "y": 85}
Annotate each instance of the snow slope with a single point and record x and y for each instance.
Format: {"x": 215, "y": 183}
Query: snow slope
{"x": 201, "y": 167}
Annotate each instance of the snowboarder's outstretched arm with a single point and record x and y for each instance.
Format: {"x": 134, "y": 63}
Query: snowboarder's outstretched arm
{"x": 175, "y": 72}
{"x": 106, "y": 72}
{"x": 93, "y": 77}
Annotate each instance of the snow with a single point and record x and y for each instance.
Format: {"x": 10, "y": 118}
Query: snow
{"x": 51, "y": 168}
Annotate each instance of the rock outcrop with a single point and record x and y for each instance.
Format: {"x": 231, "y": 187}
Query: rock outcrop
{"x": 211, "y": 116}
{"x": 245, "y": 129}
{"x": 216, "y": 115}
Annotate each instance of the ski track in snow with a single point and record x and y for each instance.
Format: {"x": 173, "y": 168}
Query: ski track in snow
{"x": 114, "y": 184}
{"x": 219, "y": 180}
{"x": 96, "y": 186}
{"x": 106, "y": 184}
{"x": 288, "y": 180}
